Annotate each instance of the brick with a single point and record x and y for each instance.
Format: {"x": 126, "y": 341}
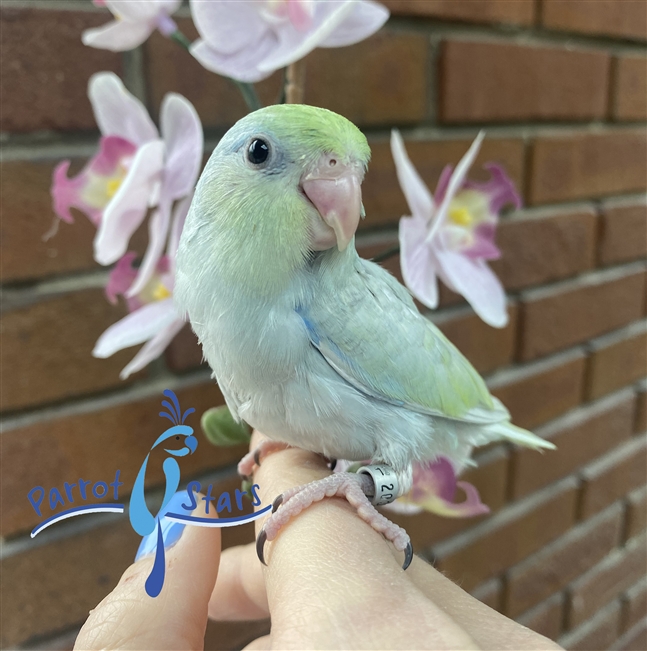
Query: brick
{"x": 383, "y": 198}
{"x": 599, "y": 586}
{"x": 630, "y": 102}
{"x": 27, "y": 212}
{"x": 623, "y": 232}
{"x": 520, "y": 12}
{"x": 486, "y": 348}
{"x": 598, "y": 633}
{"x": 636, "y": 512}
{"x": 634, "y": 606}
{"x": 48, "y": 348}
{"x": 184, "y": 352}
{"x": 352, "y": 81}
{"x": 64, "y": 642}
{"x": 585, "y": 165}
{"x": 539, "y": 392}
{"x": 580, "y": 436}
{"x": 547, "y": 572}
{"x": 613, "y": 476}
{"x": 508, "y": 537}
{"x": 503, "y": 82}
{"x": 57, "y": 450}
{"x": 641, "y": 408}
{"x": 577, "y": 310}
{"x": 617, "y": 360}
{"x": 626, "y": 19}
{"x": 634, "y": 639}
{"x": 489, "y": 477}
{"x": 548, "y": 246}
{"x": 42, "y": 55}
{"x": 233, "y": 635}
{"x": 52, "y": 587}
{"x": 489, "y": 593}
{"x": 546, "y": 618}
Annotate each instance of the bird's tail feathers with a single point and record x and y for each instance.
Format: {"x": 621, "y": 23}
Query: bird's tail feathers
{"x": 514, "y": 434}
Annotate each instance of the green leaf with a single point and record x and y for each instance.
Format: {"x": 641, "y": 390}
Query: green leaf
{"x": 221, "y": 429}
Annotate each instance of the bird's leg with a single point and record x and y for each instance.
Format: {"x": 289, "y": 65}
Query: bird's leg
{"x": 357, "y": 488}
{"x": 253, "y": 458}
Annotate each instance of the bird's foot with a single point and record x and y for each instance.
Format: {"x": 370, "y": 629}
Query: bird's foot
{"x": 355, "y": 488}
{"x": 253, "y": 458}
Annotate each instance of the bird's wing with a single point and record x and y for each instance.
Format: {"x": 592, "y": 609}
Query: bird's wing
{"x": 371, "y": 334}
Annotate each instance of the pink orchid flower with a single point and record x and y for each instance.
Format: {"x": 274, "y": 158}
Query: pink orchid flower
{"x": 452, "y": 237}
{"x": 248, "y": 41}
{"x": 434, "y": 488}
{"x": 135, "y": 21}
{"x": 133, "y": 171}
{"x": 153, "y": 319}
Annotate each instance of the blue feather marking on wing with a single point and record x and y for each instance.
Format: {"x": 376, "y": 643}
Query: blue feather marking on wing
{"x": 341, "y": 360}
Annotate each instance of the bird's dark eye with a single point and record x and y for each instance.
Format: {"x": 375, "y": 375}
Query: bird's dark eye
{"x": 177, "y": 438}
{"x": 258, "y": 152}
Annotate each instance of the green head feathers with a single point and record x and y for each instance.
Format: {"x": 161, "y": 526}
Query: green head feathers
{"x": 250, "y": 200}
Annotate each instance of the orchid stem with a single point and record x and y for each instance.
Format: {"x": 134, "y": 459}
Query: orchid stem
{"x": 246, "y": 90}
{"x": 180, "y": 39}
{"x": 249, "y": 94}
{"x": 296, "y": 82}
{"x": 385, "y": 255}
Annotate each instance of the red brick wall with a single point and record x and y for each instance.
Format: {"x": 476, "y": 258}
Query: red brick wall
{"x": 561, "y": 88}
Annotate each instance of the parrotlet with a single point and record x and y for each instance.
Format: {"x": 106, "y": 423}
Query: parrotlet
{"x": 309, "y": 343}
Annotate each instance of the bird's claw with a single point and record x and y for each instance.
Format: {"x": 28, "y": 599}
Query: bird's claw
{"x": 257, "y": 457}
{"x": 260, "y": 546}
{"x": 408, "y": 556}
{"x": 277, "y": 502}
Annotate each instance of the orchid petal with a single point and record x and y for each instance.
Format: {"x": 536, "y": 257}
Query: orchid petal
{"x": 117, "y": 35}
{"x": 364, "y": 20}
{"x": 152, "y": 349}
{"x": 294, "y": 45}
{"x": 420, "y": 201}
{"x": 179, "y": 217}
{"x": 127, "y": 210}
{"x": 228, "y": 26}
{"x": 136, "y": 328}
{"x": 90, "y": 191}
{"x": 484, "y": 246}
{"x": 402, "y": 506}
{"x": 443, "y": 182}
{"x": 500, "y": 189}
{"x": 416, "y": 261}
{"x": 157, "y": 231}
{"x": 455, "y": 182}
{"x": 65, "y": 194}
{"x": 476, "y": 282}
{"x": 121, "y": 277}
{"x": 242, "y": 66}
{"x": 136, "y": 10}
{"x": 182, "y": 132}
{"x": 118, "y": 113}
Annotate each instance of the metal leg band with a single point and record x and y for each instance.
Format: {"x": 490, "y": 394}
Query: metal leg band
{"x": 385, "y": 481}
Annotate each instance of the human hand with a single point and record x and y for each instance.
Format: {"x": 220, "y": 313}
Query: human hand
{"x": 331, "y": 582}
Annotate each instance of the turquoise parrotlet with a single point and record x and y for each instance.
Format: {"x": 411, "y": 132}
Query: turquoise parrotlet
{"x": 309, "y": 343}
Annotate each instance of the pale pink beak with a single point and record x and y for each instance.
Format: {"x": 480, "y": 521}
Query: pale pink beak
{"x": 335, "y": 190}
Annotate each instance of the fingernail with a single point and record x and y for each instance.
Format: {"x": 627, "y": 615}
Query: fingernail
{"x": 171, "y": 531}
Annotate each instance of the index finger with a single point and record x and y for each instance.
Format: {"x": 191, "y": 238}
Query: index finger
{"x": 326, "y": 543}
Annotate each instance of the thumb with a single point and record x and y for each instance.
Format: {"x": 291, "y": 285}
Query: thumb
{"x": 176, "y": 619}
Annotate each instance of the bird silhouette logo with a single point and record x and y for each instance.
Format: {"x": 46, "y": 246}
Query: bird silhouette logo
{"x": 176, "y": 441}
